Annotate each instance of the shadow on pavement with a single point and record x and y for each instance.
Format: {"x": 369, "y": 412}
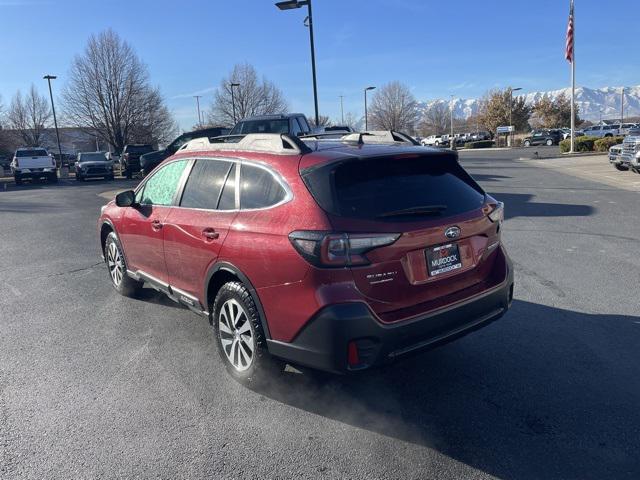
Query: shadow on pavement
{"x": 487, "y": 177}
{"x": 69, "y": 183}
{"x": 520, "y": 205}
{"x": 538, "y": 394}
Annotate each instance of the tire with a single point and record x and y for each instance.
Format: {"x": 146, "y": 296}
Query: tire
{"x": 109, "y": 178}
{"x": 235, "y": 338}
{"x": 18, "y": 179}
{"x": 127, "y": 173}
{"x": 53, "y": 178}
{"x": 78, "y": 177}
{"x": 117, "y": 268}
{"x": 437, "y": 144}
{"x": 527, "y": 143}
{"x": 621, "y": 168}
{"x": 549, "y": 142}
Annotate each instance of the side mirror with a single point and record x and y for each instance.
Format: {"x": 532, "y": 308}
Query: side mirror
{"x": 126, "y": 199}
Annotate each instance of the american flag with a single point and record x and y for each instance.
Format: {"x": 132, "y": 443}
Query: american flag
{"x": 568, "y": 53}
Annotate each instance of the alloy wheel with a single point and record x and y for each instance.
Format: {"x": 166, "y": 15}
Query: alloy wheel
{"x": 236, "y": 335}
{"x": 115, "y": 264}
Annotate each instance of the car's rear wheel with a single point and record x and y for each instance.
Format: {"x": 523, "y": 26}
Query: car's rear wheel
{"x": 622, "y": 168}
{"x": 238, "y": 330}
{"x": 117, "y": 266}
{"x": 527, "y": 143}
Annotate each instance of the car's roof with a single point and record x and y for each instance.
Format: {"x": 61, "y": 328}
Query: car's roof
{"x": 272, "y": 117}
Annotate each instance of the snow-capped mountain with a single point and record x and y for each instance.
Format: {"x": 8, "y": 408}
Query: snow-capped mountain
{"x": 592, "y": 102}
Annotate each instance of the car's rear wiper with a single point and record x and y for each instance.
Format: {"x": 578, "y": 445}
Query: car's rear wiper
{"x": 422, "y": 210}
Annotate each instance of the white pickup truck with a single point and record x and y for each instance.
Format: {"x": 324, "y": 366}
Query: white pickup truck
{"x": 33, "y": 163}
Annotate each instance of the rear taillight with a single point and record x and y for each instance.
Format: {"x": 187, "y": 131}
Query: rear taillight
{"x": 328, "y": 249}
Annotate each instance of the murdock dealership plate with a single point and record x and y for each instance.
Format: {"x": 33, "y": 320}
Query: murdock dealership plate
{"x": 443, "y": 259}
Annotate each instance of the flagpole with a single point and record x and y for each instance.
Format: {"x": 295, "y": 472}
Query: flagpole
{"x": 573, "y": 80}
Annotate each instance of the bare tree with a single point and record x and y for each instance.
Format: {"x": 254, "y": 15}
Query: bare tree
{"x": 251, "y": 97}
{"x": 28, "y": 116}
{"x": 393, "y": 108}
{"x": 157, "y": 125}
{"x": 323, "y": 121}
{"x": 436, "y": 120}
{"x": 109, "y": 93}
{"x": 351, "y": 121}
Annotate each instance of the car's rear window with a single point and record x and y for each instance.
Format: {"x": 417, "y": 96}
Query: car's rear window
{"x": 262, "y": 126}
{"x": 380, "y": 188}
{"x": 139, "y": 148}
{"x": 36, "y": 152}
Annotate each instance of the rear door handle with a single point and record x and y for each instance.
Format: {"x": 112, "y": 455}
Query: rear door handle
{"x": 210, "y": 234}
{"x": 156, "y": 225}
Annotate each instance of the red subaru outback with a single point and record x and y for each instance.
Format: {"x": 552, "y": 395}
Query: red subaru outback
{"x": 338, "y": 255}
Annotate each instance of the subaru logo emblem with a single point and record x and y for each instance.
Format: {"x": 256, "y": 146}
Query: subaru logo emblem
{"x": 452, "y": 232}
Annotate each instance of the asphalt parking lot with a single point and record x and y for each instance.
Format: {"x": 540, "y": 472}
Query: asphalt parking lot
{"x": 94, "y": 385}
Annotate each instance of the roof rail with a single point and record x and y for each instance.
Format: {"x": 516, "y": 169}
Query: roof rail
{"x": 379, "y": 136}
{"x": 279, "y": 143}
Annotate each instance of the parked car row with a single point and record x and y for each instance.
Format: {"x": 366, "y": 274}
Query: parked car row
{"x": 613, "y": 130}
{"x": 460, "y": 139}
{"x": 626, "y": 156}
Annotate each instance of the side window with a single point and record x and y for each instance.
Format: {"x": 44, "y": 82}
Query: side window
{"x": 304, "y": 125}
{"x": 258, "y": 188}
{"x": 161, "y": 187}
{"x": 295, "y": 127}
{"x": 205, "y": 184}
{"x": 228, "y": 197}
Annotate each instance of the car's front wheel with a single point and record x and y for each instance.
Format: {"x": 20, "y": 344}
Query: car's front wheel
{"x": 621, "y": 168}
{"x": 238, "y": 330}
{"x": 549, "y": 142}
{"x": 117, "y": 266}
{"x": 527, "y": 143}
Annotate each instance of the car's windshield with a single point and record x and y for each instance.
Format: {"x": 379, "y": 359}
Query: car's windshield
{"x": 262, "y": 126}
{"x": 92, "y": 157}
{"x": 36, "y": 152}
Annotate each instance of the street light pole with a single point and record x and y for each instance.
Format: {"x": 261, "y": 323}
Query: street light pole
{"x": 511, "y": 90}
{"x": 342, "y": 109}
{"x": 48, "y": 78}
{"x": 366, "y": 116}
{"x": 233, "y": 101}
{"x": 289, "y": 5}
{"x": 451, "y": 109}
{"x": 198, "y": 97}
{"x": 622, "y": 108}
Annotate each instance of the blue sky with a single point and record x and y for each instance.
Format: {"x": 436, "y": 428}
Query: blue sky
{"x": 437, "y": 48}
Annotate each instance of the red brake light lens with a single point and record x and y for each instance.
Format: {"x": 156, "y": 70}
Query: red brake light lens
{"x": 327, "y": 249}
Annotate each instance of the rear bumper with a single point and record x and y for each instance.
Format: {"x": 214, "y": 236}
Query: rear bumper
{"x": 324, "y": 342}
{"x": 104, "y": 174}
{"x": 33, "y": 172}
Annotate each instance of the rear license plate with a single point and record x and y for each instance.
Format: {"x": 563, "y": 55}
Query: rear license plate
{"x": 443, "y": 259}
